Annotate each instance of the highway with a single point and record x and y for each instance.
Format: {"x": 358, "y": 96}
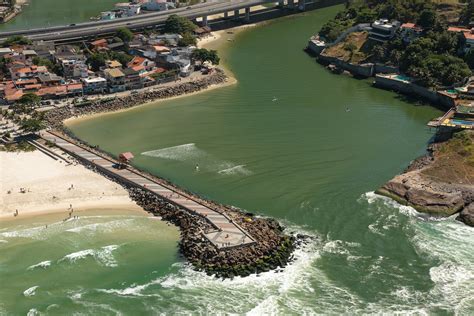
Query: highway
{"x": 86, "y": 29}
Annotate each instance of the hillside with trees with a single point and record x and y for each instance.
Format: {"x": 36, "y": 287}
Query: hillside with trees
{"x": 435, "y": 59}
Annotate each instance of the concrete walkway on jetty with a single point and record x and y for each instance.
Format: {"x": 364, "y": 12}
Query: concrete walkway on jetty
{"x": 227, "y": 233}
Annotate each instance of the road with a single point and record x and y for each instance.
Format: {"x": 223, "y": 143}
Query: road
{"x": 136, "y": 22}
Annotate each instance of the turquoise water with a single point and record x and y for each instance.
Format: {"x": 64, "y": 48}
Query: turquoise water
{"x": 462, "y": 122}
{"x": 302, "y": 159}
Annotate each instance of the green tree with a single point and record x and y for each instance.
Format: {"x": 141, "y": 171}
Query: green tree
{"x": 187, "y": 40}
{"x": 52, "y": 67}
{"x": 427, "y": 18}
{"x": 203, "y": 55}
{"x": 121, "y": 57}
{"x": 179, "y": 25}
{"x": 96, "y": 60}
{"x": 32, "y": 125}
{"x": 29, "y": 99}
{"x": 124, "y": 34}
{"x": 16, "y": 40}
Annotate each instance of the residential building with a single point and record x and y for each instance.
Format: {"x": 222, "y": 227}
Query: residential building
{"x": 94, "y": 85}
{"x": 100, "y": 44}
{"x": 157, "y": 5}
{"x": 27, "y": 72}
{"x": 49, "y": 79}
{"x": 132, "y": 79}
{"x": 468, "y": 35}
{"x": 113, "y": 64}
{"x": 115, "y": 80}
{"x": 147, "y": 64}
{"x": 383, "y": 30}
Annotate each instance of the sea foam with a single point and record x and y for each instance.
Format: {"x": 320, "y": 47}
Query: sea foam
{"x": 31, "y": 291}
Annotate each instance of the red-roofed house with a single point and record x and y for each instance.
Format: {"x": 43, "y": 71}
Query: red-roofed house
{"x": 137, "y": 61}
{"x": 27, "y": 72}
{"x": 410, "y": 32}
{"x": 468, "y": 35}
{"x": 99, "y": 44}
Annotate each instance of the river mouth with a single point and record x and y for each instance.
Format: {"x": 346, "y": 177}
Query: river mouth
{"x": 301, "y": 159}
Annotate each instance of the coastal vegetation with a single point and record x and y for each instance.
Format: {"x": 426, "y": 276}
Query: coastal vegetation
{"x": 204, "y": 55}
{"x": 16, "y": 40}
{"x": 435, "y": 59}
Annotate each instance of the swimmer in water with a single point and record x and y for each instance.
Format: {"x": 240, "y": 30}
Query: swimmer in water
{"x": 197, "y": 167}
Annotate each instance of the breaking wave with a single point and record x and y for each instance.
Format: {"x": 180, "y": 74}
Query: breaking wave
{"x": 103, "y": 255}
{"x": 448, "y": 243}
{"x": 193, "y": 155}
{"x": 42, "y": 264}
{"x": 31, "y": 291}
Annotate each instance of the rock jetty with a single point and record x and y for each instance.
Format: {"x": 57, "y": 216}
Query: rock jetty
{"x": 56, "y": 117}
{"x": 440, "y": 183}
{"x": 273, "y": 248}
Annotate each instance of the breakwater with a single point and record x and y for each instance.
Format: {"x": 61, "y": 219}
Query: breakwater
{"x": 56, "y": 117}
{"x": 271, "y": 248}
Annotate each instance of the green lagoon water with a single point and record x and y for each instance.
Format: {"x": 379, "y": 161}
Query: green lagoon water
{"x": 291, "y": 141}
{"x": 41, "y": 13}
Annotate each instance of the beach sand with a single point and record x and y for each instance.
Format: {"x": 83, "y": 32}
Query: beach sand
{"x": 47, "y": 183}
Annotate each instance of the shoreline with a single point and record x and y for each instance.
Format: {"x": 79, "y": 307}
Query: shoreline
{"x": 41, "y": 209}
{"x": 214, "y": 41}
{"x": 78, "y": 119}
{"x": 270, "y": 246}
{"x": 26, "y": 187}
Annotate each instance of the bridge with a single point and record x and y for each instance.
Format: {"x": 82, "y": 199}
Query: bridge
{"x": 226, "y": 233}
{"x": 152, "y": 20}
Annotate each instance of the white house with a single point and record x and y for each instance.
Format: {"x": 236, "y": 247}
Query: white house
{"x": 383, "y": 30}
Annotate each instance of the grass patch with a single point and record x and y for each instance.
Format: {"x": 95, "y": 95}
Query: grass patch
{"x": 22, "y": 146}
{"x": 454, "y": 160}
{"x": 353, "y": 49}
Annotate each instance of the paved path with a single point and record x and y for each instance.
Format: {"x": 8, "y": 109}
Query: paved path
{"x": 227, "y": 233}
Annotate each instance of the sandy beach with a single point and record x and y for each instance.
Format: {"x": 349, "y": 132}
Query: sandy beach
{"x": 51, "y": 186}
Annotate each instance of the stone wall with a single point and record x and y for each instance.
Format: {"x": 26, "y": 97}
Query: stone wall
{"x": 412, "y": 89}
{"x": 363, "y": 70}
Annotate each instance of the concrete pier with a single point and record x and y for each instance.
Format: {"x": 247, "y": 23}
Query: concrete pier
{"x": 227, "y": 234}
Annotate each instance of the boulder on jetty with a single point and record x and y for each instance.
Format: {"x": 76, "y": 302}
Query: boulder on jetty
{"x": 441, "y": 182}
{"x": 272, "y": 247}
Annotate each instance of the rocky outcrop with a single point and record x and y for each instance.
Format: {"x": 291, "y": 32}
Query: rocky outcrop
{"x": 467, "y": 215}
{"x": 441, "y": 196}
{"x": 424, "y": 195}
